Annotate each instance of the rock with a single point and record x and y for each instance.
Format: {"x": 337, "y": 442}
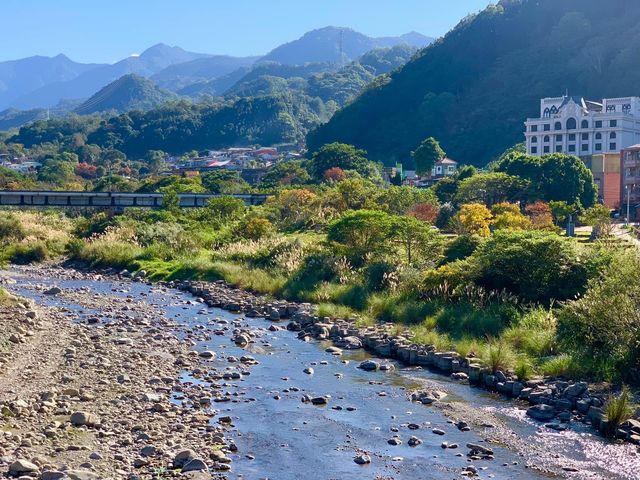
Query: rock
{"x": 84, "y": 419}
{"x": 195, "y": 465}
{"x": 414, "y": 442}
{"x": 460, "y": 376}
{"x": 427, "y": 397}
{"x": 369, "y": 366}
{"x": 349, "y": 343}
{"x": 575, "y": 390}
{"x": 362, "y": 459}
{"x": 394, "y": 441}
{"x": 334, "y": 351}
{"x": 309, "y": 371}
{"x": 207, "y": 354}
{"x": 82, "y": 475}
{"x": 319, "y": 401}
{"x": 438, "y": 431}
{"x": 541, "y": 412}
{"x": 183, "y": 457}
{"x": 22, "y": 466}
{"x": 53, "y": 291}
{"x": 475, "y": 448}
{"x": 52, "y": 475}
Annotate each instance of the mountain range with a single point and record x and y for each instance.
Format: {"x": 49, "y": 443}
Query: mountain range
{"x": 43, "y": 82}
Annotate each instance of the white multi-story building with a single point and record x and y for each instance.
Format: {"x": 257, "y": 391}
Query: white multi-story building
{"x": 580, "y": 127}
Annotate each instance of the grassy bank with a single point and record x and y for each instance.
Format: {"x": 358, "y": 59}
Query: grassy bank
{"x": 509, "y": 299}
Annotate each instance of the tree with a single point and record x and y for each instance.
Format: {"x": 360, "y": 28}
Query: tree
{"x": 156, "y": 161}
{"x": 285, "y": 174}
{"x": 508, "y": 215}
{"x": 346, "y": 157}
{"x": 255, "y": 228}
{"x": 540, "y": 215}
{"x": 474, "y": 219}
{"x": 599, "y": 217}
{"x": 334, "y": 175}
{"x": 425, "y": 212}
{"x": 224, "y": 209}
{"x": 490, "y": 188}
{"x": 361, "y": 234}
{"x": 556, "y": 177}
{"x": 225, "y": 182}
{"x": 417, "y": 239}
{"x": 426, "y": 155}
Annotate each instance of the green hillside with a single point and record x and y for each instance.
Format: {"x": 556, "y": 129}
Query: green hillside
{"x": 474, "y": 88}
{"x": 130, "y": 92}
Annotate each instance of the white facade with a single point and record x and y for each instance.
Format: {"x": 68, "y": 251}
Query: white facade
{"x": 580, "y": 127}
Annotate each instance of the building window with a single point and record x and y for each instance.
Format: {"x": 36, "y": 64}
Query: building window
{"x": 534, "y": 139}
{"x": 612, "y": 135}
{"x": 546, "y": 149}
{"x": 598, "y": 147}
{"x": 585, "y": 147}
{"x": 598, "y": 136}
{"x": 546, "y": 113}
{"x": 572, "y": 137}
{"x": 585, "y": 124}
{"x": 546, "y": 127}
{"x": 611, "y": 108}
{"x": 612, "y": 146}
{"x": 572, "y": 124}
{"x": 534, "y": 149}
{"x": 585, "y": 136}
{"x": 534, "y": 128}
{"x": 546, "y": 139}
{"x": 572, "y": 148}
{"x": 613, "y": 123}
{"x": 598, "y": 123}
{"x": 558, "y": 148}
{"x": 557, "y": 126}
{"x": 558, "y": 138}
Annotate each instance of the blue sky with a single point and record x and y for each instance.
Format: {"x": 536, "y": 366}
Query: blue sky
{"x": 109, "y": 30}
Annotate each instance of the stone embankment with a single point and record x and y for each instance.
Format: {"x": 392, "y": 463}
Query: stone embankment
{"x": 555, "y": 402}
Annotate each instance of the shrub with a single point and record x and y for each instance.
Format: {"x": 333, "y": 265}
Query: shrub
{"x": 535, "y": 265}
{"x": 498, "y": 355}
{"x": 524, "y": 370}
{"x": 560, "y": 366}
{"x": 25, "y": 253}
{"x": 11, "y": 228}
{"x": 618, "y": 410}
{"x": 255, "y": 228}
{"x": 378, "y": 275}
{"x": 602, "y": 328}
{"x": 461, "y": 247}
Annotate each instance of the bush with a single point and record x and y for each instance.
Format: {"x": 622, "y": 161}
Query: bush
{"x": 11, "y": 228}
{"x": 560, "y": 366}
{"x": 461, "y": 247}
{"x": 25, "y": 253}
{"x": 524, "y": 370}
{"x": 618, "y": 410}
{"x": 602, "y": 328}
{"x": 536, "y": 266}
{"x": 255, "y": 228}
{"x": 378, "y": 275}
{"x": 498, "y": 355}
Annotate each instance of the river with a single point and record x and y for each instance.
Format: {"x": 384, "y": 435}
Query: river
{"x": 280, "y": 437}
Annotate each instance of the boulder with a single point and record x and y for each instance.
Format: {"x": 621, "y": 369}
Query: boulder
{"x": 362, "y": 459}
{"x": 183, "y": 457}
{"x": 369, "y": 366}
{"x": 79, "y": 419}
{"x": 541, "y": 412}
{"x": 22, "y": 466}
{"x": 194, "y": 465}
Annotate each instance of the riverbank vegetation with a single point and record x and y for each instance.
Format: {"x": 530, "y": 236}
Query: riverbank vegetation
{"x": 492, "y": 276}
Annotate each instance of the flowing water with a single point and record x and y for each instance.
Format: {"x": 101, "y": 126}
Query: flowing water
{"x": 280, "y": 437}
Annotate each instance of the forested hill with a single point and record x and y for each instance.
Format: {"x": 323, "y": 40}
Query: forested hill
{"x": 474, "y": 88}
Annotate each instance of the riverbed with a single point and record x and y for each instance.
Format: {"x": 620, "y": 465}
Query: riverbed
{"x": 280, "y": 437}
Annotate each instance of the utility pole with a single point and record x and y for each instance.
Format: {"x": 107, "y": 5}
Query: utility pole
{"x": 629, "y": 188}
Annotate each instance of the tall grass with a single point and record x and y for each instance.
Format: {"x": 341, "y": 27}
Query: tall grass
{"x": 559, "y": 366}
{"x": 498, "y": 355}
{"x": 618, "y": 410}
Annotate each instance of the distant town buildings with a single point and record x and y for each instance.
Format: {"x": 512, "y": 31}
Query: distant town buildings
{"x": 19, "y": 164}
{"x": 444, "y": 167}
{"x": 595, "y": 131}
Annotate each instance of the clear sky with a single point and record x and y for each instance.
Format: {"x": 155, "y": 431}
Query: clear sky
{"x": 109, "y": 30}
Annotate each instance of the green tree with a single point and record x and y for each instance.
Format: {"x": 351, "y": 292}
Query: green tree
{"x": 490, "y": 188}
{"x": 418, "y": 240}
{"x": 426, "y": 155}
{"x": 224, "y": 182}
{"x": 361, "y": 234}
{"x": 346, "y": 157}
{"x": 155, "y": 160}
{"x": 285, "y": 174}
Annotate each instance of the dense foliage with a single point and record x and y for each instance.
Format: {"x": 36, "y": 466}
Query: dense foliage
{"x": 473, "y": 89}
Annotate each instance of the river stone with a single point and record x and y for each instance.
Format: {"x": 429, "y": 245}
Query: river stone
{"x": 362, "y": 459}
{"x": 53, "y": 291}
{"x": 52, "y": 475}
{"x": 369, "y": 365}
{"x": 319, "y": 401}
{"x": 83, "y": 418}
{"x": 207, "y": 354}
{"x": 195, "y": 465}
{"x": 309, "y": 371}
{"x": 541, "y": 412}
{"x": 22, "y": 466}
{"x": 183, "y": 457}
{"x": 575, "y": 390}
{"x": 475, "y": 448}
{"x": 82, "y": 475}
